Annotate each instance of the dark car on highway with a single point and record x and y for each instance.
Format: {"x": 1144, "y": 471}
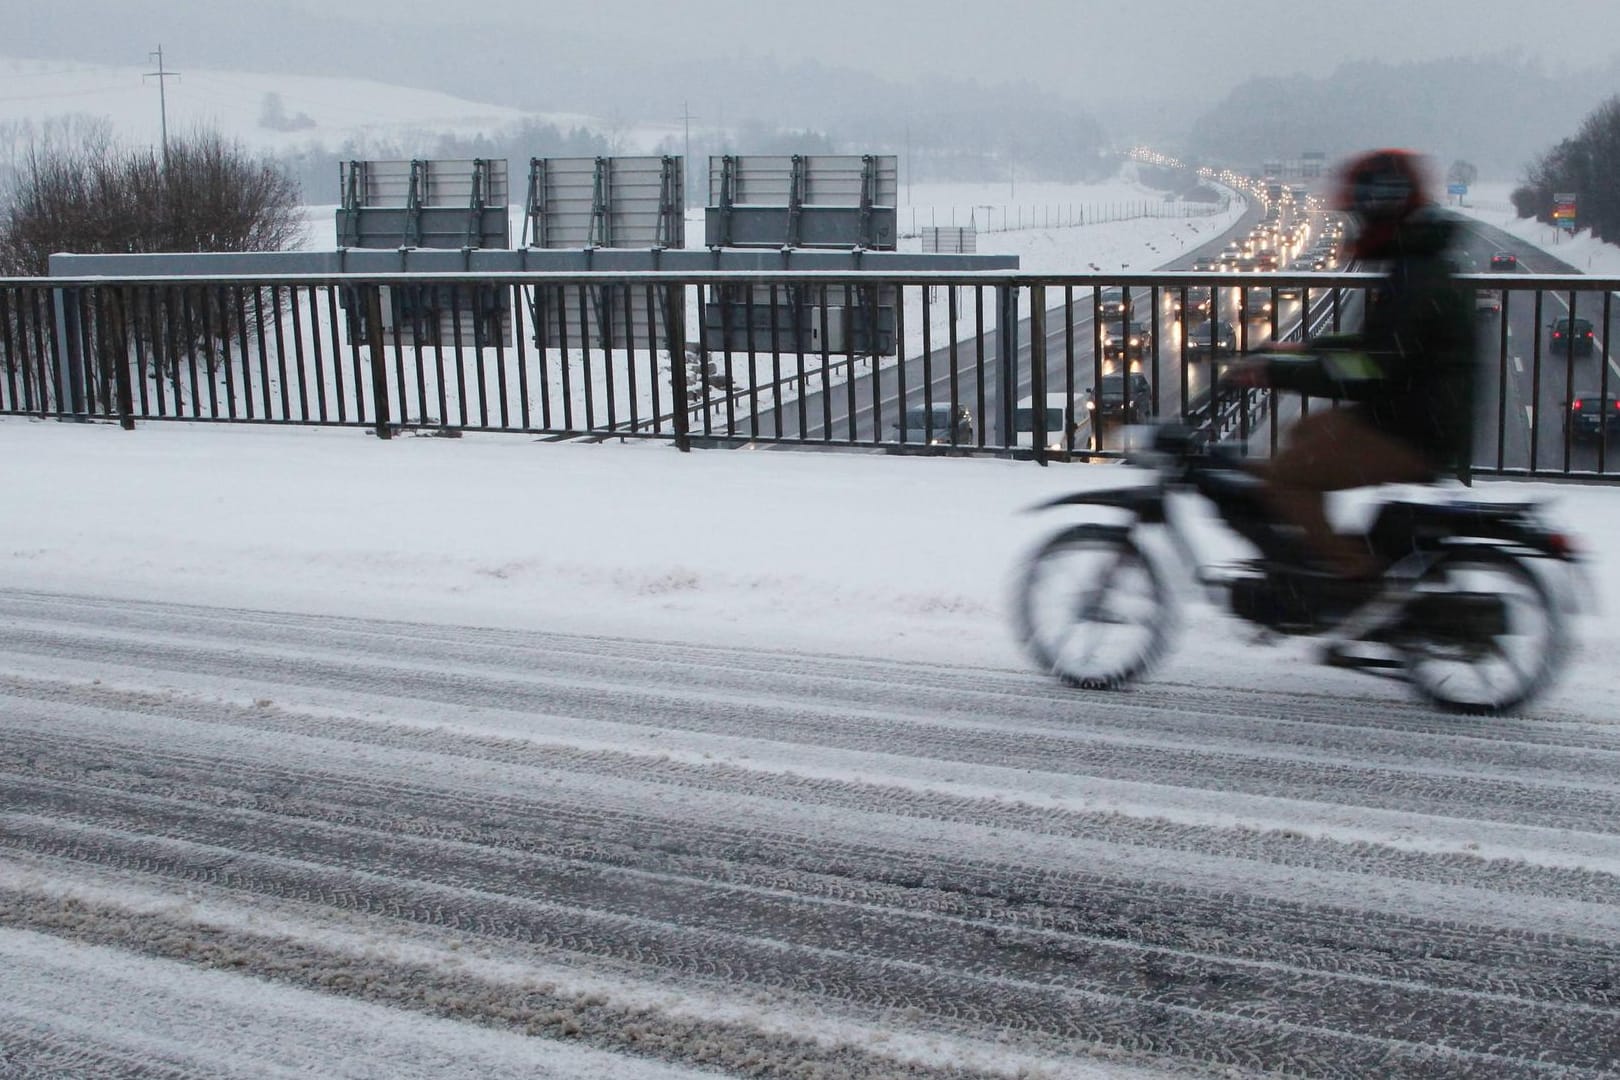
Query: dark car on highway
{"x": 1504, "y": 260}
{"x": 1257, "y": 304}
{"x": 935, "y": 426}
{"x": 1594, "y": 417}
{"x": 1199, "y": 337}
{"x": 1113, "y": 304}
{"x": 1574, "y": 335}
{"x": 1197, "y": 303}
{"x": 1109, "y": 401}
{"x": 1137, "y": 343}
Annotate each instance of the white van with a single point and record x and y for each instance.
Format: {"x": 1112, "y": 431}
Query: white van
{"x": 1060, "y": 423}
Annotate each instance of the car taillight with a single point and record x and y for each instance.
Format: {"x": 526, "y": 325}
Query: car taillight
{"x": 1575, "y": 405}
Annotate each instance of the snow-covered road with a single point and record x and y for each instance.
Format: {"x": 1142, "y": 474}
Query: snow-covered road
{"x": 237, "y": 842}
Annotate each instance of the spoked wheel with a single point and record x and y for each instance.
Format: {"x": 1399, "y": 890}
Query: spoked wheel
{"x": 1484, "y": 634}
{"x": 1092, "y": 609}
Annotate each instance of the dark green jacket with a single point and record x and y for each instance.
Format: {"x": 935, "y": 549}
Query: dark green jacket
{"x": 1419, "y": 331}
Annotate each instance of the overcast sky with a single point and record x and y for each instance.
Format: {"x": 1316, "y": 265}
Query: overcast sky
{"x": 1081, "y": 48}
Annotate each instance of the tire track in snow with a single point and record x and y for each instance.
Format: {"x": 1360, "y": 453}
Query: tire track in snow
{"x": 737, "y": 874}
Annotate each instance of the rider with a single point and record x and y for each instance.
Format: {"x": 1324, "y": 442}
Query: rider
{"x": 1412, "y": 420}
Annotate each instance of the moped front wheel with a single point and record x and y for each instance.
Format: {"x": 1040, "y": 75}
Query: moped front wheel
{"x": 1092, "y": 608}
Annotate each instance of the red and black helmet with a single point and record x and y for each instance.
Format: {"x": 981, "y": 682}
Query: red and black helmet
{"x": 1381, "y": 188}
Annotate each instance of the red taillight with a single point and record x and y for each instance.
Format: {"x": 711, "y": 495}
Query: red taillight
{"x": 1575, "y": 405}
{"x": 1561, "y": 546}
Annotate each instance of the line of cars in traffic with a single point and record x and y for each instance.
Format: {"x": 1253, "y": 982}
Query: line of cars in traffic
{"x": 1124, "y": 394}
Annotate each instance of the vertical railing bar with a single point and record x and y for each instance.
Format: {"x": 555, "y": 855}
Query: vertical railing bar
{"x": 587, "y": 302}
{"x": 954, "y": 361}
{"x": 442, "y": 392}
{"x": 157, "y": 314}
{"x": 281, "y": 352}
{"x": 224, "y": 347}
{"x": 632, "y": 387}
{"x": 32, "y": 401}
{"x": 978, "y": 334}
{"x": 705, "y": 381}
{"x": 357, "y": 315}
{"x": 1069, "y": 373}
{"x": 398, "y": 296}
{"x": 1304, "y": 335}
{"x": 298, "y": 351}
{"x": 93, "y": 306}
{"x": 1535, "y": 388}
{"x": 564, "y": 369}
{"x": 47, "y": 378}
{"x": 311, "y": 292}
{"x": 1094, "y": 420}
{"x": 191, "y": 354}
{"x": 1606, "y": 410}
{"x": 459, "y": 352}
{"x": 1187, "y": 317}
{"x": 216, "y": 300}
{"x": 1040, "y": 437}
{"x": 11, "y": 356}
{"x": 332, "y": 328}
{"x": 264, "y": 351}
{"x": 927, "y": 364}
{"x": 499, "y": 334}
{"x": 900, "y": 354}
{"x": 826, "y": 368}
{"x": 1502, "y": 387}
{"x": 541, "y": 321}
{"x": 239, "y": 300}
{"x": 730, "y": 385}
{"x": 753, "y": 366}
{"x": 513, "y": 292}
{"x": 428, "y": 323}
{"x": 134, "y": 329}
{"x": 676, "y": 356}
{"x": 869, "y": 308}
{"x": 1243, "y": 347}
{"x": 209, "y": 355}
{"x": 776, "y": 365}
{"x": 1569, "y": 376}
{"x": 609, "y": 352}
{"x": 675, "y": 342}
{"x": 796, "y": 297}
{"x": 122, "y": 316}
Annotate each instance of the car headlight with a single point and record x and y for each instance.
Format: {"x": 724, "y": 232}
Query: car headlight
{"x": 1091, "y": 406}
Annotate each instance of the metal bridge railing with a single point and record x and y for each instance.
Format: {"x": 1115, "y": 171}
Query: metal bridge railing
{"x": 1051, "y": 367}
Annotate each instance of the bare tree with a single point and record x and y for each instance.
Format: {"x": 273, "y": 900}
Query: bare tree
{"x": 95, "y": 197}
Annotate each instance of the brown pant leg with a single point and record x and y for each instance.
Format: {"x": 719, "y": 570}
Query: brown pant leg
{"x": 1332, "y": 451}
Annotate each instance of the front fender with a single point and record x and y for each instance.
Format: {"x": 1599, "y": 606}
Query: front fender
{"x": 1145, "y": 502}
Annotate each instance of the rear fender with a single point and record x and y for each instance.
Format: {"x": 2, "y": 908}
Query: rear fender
{"x": 1565, "y": 579}
{"x": 1145, "y": 503}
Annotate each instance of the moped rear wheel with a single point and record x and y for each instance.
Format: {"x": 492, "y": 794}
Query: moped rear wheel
{"x": 1092, "y": 609}
{"x": 1493, "y": 636}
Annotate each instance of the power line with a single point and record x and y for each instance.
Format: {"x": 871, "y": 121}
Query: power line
{"x": 686, "y": 152}
{"x": 163, "y": 103}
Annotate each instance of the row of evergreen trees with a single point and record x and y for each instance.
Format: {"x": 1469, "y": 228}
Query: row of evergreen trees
{"x": 1586, "y": 164}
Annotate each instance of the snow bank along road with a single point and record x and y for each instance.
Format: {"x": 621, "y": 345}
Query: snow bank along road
{"x": 245, "y": 843}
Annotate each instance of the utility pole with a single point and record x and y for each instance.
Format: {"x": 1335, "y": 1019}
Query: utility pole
{"x": 686, "y": 154}
{"x": 163, "y": 103}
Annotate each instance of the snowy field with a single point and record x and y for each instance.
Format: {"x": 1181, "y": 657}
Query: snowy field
{"x": 1490, "y": 203}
